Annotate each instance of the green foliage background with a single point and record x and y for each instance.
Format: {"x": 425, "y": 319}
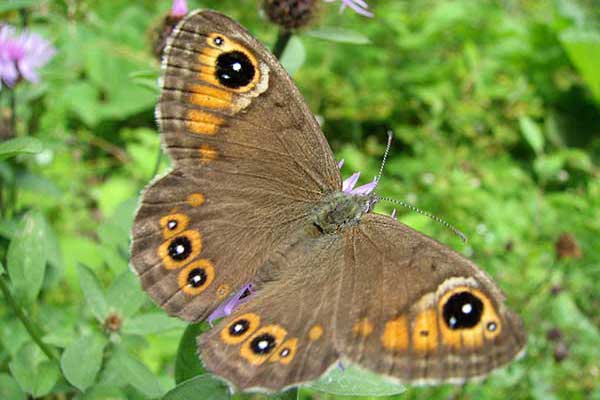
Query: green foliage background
{"x": 495, "y": 108}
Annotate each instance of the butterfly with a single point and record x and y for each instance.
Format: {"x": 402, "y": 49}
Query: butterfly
{"x": 255, "y": 197}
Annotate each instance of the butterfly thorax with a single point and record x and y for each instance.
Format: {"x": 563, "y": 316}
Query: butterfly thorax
{"x": 340, "y": 209}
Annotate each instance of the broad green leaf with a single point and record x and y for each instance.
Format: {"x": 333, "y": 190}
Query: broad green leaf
{"x": 187, "y": 363}
{"x": 12, "y": 5}
{"x": 203, "y": 387}
{"x": 583, "y": 48}
{"x": 294, "y": 55}
{"x": 20, "y": 145}
{"x": 93, "y": 293}
{"x": 100, "y": 392}
{"x": 339, "y": 35}
{"x": 136, "y": 374}
{"x": 9, "y": 388}
{"x": 151, "y": 323}
{"x": 355, "y": 381}
{"x": 533, "y": 134}
{"x": 26, "y": 259}
{"x": 81, "y": 361}
{"x": 34, "y": 375}
{"x": 126, "y": 295}
{"x": 8, "y": 228}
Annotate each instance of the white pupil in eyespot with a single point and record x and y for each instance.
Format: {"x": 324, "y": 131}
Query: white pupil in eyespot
{"x": 238, "y": 327}
{"x": 172, "y": 224}
{"x": 263, "y": 344}
{"x": 179, "y": 249}
{"x": 467, "y": 308}
{"x": 452, "y": 321}
{"x": 196, "y": 279}
{"x": 285, "y": 352}
{"x": 236, "y": 66}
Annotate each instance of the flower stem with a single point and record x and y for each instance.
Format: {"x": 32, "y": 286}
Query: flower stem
{"x": 31, "y": 328}
{"x": 283, "y": 38}
{"x": 12, "y": 99}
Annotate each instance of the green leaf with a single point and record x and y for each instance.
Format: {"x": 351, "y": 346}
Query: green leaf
{"x": 533, "y": 134}
{"x": 203, "y": 387}
{"x": 581, "y": 46}
{"x": 34, "y": 375}
{"x": 340, "y": 35}
{"x": 187, "y": 363}
{"x": 136, "y": 374}
{"x": 81, "y": 361}
{"x": 9, "y": 388}
{"x": 17, "y": 5}
{"x": 355, "y": 381}
{"x": 151, "y": 323}
{"x": 294, "y": 55}
{"x": 26, "y": 259}
{"x": 126, "y": 295}
{"x": 20, "y": 145}
{"x": 93, "y": 293}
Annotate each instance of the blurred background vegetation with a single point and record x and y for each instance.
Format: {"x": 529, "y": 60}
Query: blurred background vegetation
{"x": 495, "y": 108}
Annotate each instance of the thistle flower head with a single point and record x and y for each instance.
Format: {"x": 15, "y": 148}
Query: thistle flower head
{"x": 21, "y": 55}
{"x": 180, "y": 8}
{"x": 349, "y": 183}
{"x": 291, "y": 14}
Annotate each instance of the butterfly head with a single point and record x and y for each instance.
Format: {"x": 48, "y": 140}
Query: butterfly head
{"x": 342, "y": 209}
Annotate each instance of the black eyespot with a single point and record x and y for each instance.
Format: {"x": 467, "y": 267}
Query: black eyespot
{"x": 180, "y": 248}
{"x": 239, "y": 327}
{"x": 284, "y": 352}
{"x": 172, "y": 224}
{"x": 462, "y": 310}
{"x": 263, "y": 344}
{"x": 196, "y": 277}
{"x": 234, "y": 69}
{"x": 218, "y": 40}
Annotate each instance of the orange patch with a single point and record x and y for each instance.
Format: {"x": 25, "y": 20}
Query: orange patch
{"x": 210, "y": 97}
{"x": 275, "y": 331}
{"x": 469, "y": 337}
{"x": 207, "y": 154}
{"x": 204, "y": 273}
{"x": 195, "y": 199}
{"x": 223, "y": 291}
{"x": 173, "y": 224}
{"x": 286, "y": 352}
{"x": 363, "y": 328}
{"x": 229, "y": 335}
{"x": 425, "y": 332}
{"x": 315, "y": 333}
{"x": 202, "y": 122}
{"x": 195, "y": 246}
{"x": 395, "y": 334}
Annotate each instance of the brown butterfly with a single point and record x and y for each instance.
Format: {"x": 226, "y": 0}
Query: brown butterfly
{"x": 256, "y": 197}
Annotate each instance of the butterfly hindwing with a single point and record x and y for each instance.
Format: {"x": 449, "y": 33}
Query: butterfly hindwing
{"x": 296, "y": 311}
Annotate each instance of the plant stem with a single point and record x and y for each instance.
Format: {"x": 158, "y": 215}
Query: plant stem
{"x": 12, "y": 99}
{"x": 283, "y": 38}
{"x": 31, "y": 328}
{"x": 157, "y": 163}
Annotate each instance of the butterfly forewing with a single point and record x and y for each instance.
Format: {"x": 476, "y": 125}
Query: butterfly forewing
{"x": 248, "y": 158}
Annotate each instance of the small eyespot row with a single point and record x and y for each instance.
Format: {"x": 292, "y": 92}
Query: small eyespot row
{"x": 259, "y": 343}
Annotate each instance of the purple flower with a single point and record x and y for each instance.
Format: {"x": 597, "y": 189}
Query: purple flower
{"x": 227, "y": 307}
{"x": 360, "y": 6}
{"x": 180, "y": 8}
{"x": 349, "y": 183}
{"x": 22, "y": 55}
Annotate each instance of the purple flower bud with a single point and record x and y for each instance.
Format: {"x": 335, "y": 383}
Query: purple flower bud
{"x": 359, "y": 6}
{"x": 22, "y": 55}
{"x": 229, "y": 306}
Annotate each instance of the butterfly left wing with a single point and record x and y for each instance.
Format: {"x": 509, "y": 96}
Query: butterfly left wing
{"x": 284, "y": 335}
{"x": 418, "y": 312}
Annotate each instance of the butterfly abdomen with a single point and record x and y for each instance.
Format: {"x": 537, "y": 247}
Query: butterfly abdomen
{"x": 339, "y": 210}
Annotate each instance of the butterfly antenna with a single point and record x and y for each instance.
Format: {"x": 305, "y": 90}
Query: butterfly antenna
{"x": 385, "y": 156}
{"x": 428, "y": 215}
